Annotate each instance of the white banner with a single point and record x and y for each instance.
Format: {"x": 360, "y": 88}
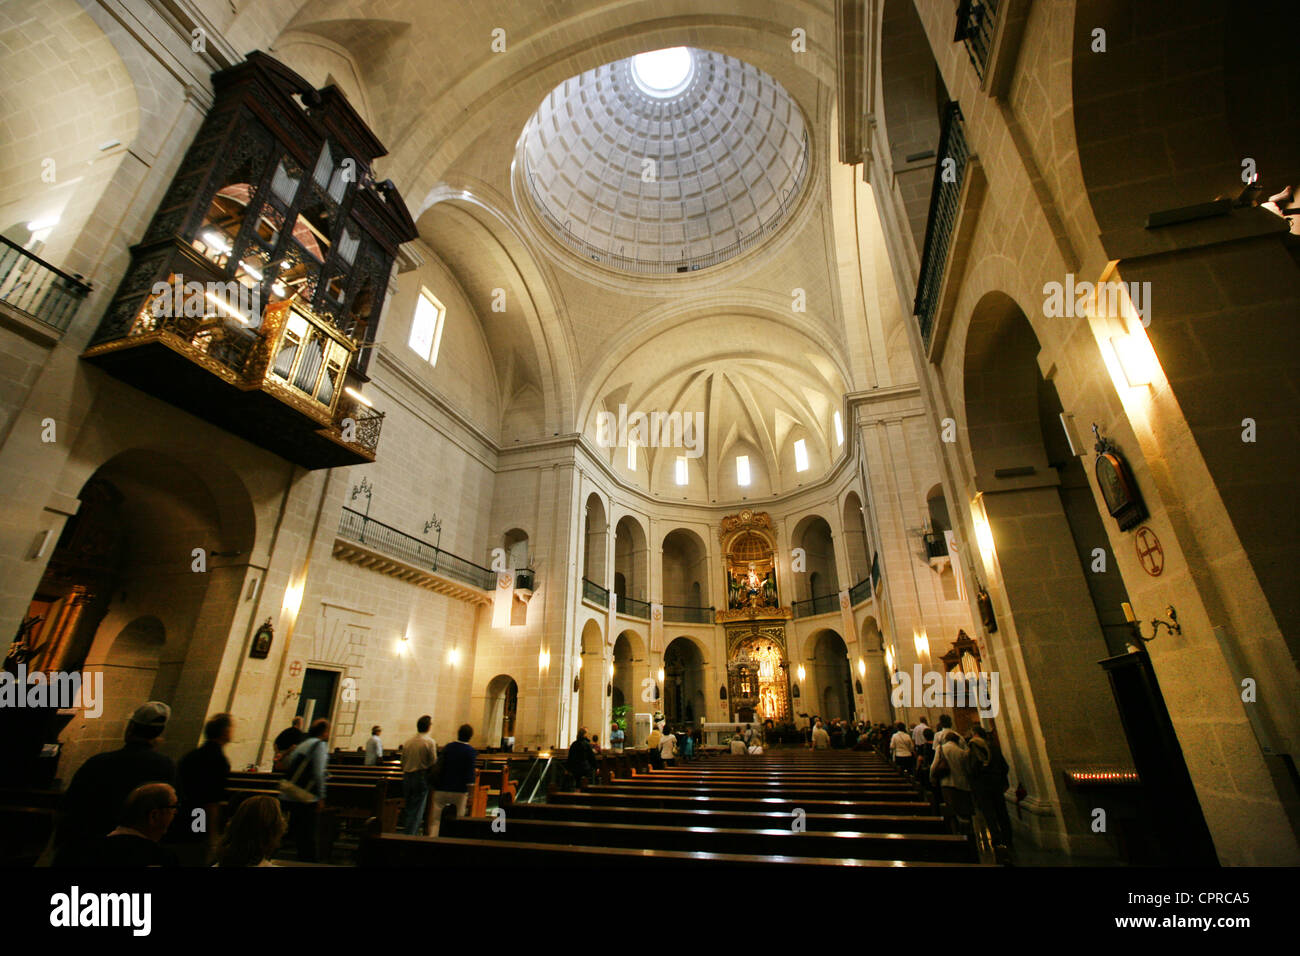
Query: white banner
{"x": 501, "y": 600}
{"x": 955, "y": 557}
{"x": 656, "y": 628}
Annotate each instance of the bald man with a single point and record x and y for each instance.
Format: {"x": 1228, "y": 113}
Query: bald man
{"x": 146, "y": 815}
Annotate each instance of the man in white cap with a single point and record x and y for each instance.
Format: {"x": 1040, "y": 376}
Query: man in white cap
{"x": 93, "y": 802}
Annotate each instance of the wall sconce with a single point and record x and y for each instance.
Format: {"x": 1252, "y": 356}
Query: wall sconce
{"x": 921, "y": 642}
{"x": 611, "y": 670}
{"x": 543, "y": 660}
{"x": 1135, "y": 359}
{"x": 292, "y": 599}
{"x": 453, "y": 656}
{"x": 983, "y": 530}
{"x": 802, "y": 673}
{"x": 1172, "y": 624}
{"x": 661, "y": 675}
{"x": 577, "y": 665}
{"x": 889, "y": 659}
{"x": 862, "y": 669}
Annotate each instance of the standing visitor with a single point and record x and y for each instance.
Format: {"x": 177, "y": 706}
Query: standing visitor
{"x": 419, "y": 754}
{"x": 668, "y": 749}
{"x": 582, "y": 759}
{"x": 616, "y": 737}
{"x": 374, "y": 747}
{"x": 821, "y": 740}
{"x": 203, "y": 776}
{"x": 902, "y": 750}
{"x": 307, "y": 771}
{"x": 456, "y": 771}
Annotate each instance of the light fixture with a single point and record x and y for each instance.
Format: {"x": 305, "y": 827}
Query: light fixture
{"x": 292, "y": 599}
{"x": 862, "y": 667}
{"x": 661, "y": 675}
{"x": 230, "y": 310}
{"x": 983, "y": 531}
{"x": 802, "y": 673}
{"x": 453, "y": 656}
{"x": 1135, "y": 359}
{"x": 922, "y": 643}
{"x": 543, "y": 660}
{"x": 611, "y": 670}
{"x": 577, "y": 664}
{"x": 358, "y": 396}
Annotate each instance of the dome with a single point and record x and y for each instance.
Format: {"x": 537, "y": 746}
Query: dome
{"x": 665, "y": 162}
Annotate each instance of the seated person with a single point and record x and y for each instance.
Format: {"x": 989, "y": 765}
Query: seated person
{"x": 146, "y": 816}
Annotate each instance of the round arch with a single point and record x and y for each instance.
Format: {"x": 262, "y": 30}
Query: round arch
{"x": 684, "y": 573}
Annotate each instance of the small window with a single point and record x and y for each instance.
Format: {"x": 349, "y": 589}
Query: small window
{"x": 631, "y": 454}
{"x": 742, "y": 470}
{"x": 800, "y": 456}
{"x": 681, "y": 470}
{"x": 426, "y": 327}
{"x": 839, "y": 429}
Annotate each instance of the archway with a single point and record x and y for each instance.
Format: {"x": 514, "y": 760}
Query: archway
{"x": 821, "y": 579}
{"x": 684, "y": 700}
{"x": 596, "y": 532}
{"x": 1042, "y": 529}
{"x": 628, "y": 662}
{"x": 631, "y": 562}
{"x": 856, "y": 539}
{"x": 832, "y": 677}
{"x": 502, "y": 708}
{"x": 685, "y": 571}
{"x": 149, "y": 564}
{"x": 592, "y": 680}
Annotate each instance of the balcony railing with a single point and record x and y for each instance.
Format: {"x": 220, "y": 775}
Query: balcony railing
{"x": 936, "y": 546}
{"x": 976, "y": 23}
{"x": 949, "y": 171}
{"x": 33, "y": 286}
{"x": 685, "y": 614}
{"x": 822, "y": 604}
{"x": 633, "y": 608}
{"x": 355, "y": 526}
{"x": 593, "y": 592}
{"x": 860, "y": 591}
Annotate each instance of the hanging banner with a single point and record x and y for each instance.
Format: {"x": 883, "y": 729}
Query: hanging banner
{"x": 611, "y": 620}
{"x": 955, "y": 557}
{"x": 656, "y": 628}
{"x": 501, "y": 600}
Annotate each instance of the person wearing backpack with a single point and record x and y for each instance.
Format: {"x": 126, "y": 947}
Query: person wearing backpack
{"x": 304, "y": 789}
{"x": 989, "y": 776}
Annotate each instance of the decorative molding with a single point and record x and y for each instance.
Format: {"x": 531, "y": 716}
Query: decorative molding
{"x": 364, "y": 557}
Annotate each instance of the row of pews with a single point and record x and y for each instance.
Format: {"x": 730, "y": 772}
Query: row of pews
{"x": 786, "y": 808}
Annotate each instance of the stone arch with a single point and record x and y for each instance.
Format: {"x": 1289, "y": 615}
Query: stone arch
{"x": 813, "y": 534}
{"x": 515, "y": 543}
{"x": 684, "y": 698}
{"x": 595, "y": 534}
{"x": 857, "y": 541}
{"x": 501, "y": 709}
{"x": 685, "y": 574}
{"x": 631, "y": 561}
{"x": 832, "y": 676}
{"x": 630, "y": 662}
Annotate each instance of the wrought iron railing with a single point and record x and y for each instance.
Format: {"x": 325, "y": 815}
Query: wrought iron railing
{"x": 860, "y": 591}
{"x": 634, "y": 608}
{"x": 949, "y": 171}
{"x": 33, "y": 286}
{"x": 593, "y": 592}
{"x": 936, "y": 546}
{"x": 685, "y": 614}
{"x": 821, "y": 604}
{"x": 355, "y": 526}
{"x": 976, "y": 24}
{"x": 685, "y": 263}
{"x": 366, "y": 423}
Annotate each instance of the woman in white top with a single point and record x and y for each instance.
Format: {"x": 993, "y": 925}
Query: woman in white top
{"x": 668, "y": 748}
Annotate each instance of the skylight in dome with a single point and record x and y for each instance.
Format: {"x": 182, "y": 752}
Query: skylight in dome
{"x": 663, "y": 73}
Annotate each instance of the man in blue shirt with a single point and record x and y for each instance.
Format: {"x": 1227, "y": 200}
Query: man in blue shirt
{"x": 455, "y": 775}
{"x": 307, "y": 769}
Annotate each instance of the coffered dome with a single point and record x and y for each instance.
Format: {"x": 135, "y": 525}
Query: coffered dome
{"x": 665, "y": 162}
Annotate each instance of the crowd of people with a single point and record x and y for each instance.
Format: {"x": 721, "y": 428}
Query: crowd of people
{"x": 134, "y": 807}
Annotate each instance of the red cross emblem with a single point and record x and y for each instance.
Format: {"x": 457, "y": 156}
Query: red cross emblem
{"x": 1150, "y": 555}
{"x": 295, "y": 668}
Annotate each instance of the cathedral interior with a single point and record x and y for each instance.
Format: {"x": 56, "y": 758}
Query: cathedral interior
{"x": 579, "y": 364}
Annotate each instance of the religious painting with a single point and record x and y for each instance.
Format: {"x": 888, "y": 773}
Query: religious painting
{"x": 1118, "y": 488}
{"x": 262, "y": 640}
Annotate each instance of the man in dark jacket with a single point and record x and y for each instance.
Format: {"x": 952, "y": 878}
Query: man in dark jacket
{"x": 456, "y": 772}
{"x": 147, "y": 814}
{"x": 582, "y": 759}
{"x": 93, "y": 802}
{"x": 203, "y": 774}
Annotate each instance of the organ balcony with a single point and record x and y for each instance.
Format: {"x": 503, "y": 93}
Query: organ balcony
{"x": 252, "y": 300}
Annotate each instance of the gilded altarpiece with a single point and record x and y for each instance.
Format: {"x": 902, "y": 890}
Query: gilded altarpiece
{"x": 758, "y": 678}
